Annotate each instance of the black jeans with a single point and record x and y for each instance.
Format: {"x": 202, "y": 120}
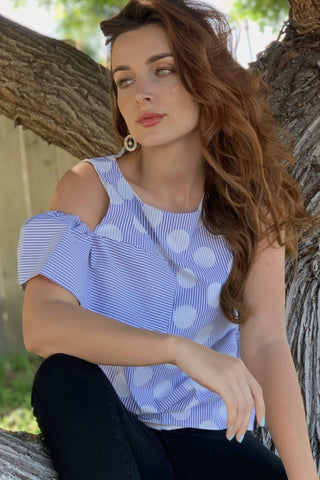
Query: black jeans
{"x": 92, "y": 436}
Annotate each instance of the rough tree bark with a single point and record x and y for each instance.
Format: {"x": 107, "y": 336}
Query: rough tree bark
{"x": 24, "y": 456}
{"x": 304, "y": 16}
{"x": 291, "y": 68}
{"x": 55, "y": 90}
{"x": 62, "y": 95}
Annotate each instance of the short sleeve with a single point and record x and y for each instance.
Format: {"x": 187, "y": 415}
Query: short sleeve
{"x": 57, "y": 246}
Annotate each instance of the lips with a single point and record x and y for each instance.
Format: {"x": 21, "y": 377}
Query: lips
{"x": 149, "y": 115}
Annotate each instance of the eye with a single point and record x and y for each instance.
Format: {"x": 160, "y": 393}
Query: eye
{"x": 121, "y": 83}
{"x": 165, "y": 69}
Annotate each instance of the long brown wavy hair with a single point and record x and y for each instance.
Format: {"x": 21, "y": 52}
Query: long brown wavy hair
{"x": 249, "y": 194}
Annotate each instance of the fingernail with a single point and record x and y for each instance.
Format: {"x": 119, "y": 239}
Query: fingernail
{"x": 230, "y": 428}
{"x": 230, "y": 438}
{"x": 263, "y": 422}
{"x": 240, "y": 439}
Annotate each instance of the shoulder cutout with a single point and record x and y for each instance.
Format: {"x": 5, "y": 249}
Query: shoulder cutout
{"x": 80, "y": 192}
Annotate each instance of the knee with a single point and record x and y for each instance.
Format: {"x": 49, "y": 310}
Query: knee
{"x": 60, "y": 372}
{"x": 62, "y": 365}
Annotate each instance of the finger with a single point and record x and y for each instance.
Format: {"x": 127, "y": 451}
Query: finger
{"x": 247, "y": 411}
{"x": 259, "y": 405}
{"x": 231, "y": 402}
{"x": 241, "y": 408}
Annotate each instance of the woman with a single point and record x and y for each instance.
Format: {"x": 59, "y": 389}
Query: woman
{"x": 155, "y": 283}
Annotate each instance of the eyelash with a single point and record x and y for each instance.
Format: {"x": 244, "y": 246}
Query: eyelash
{"x": 120, "y": 82}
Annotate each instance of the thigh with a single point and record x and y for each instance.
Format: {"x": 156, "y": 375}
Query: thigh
{"x": 205, "y": 455}
{"x": 89, "y": 432}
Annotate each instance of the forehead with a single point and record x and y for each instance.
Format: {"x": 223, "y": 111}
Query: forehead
{"x": 139, "y": 44}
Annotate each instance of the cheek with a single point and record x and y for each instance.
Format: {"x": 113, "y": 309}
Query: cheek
{"x": 174, "y": 90}
{"x": 182, "y": 98}
{"x": 186, "y": 106}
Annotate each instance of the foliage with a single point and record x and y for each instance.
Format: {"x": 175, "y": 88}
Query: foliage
{"x": 70, "y": 4}
{"x": 79, "y": 20}
{"x": 82, "y": 23}
{"x": 264, "y": 12}
{"x": 16, "y": 377}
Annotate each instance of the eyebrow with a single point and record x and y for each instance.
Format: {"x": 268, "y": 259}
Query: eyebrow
{"x": 150, "y": 60}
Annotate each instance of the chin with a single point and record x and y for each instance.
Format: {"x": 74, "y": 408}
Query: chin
{"x": 155, "y": 143}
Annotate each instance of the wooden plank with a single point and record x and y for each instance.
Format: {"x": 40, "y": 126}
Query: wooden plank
{"x": 3, "y": 341}
{"x": 30, "y": 171}
{"x": 64, "y": 161}
{"x": 42, "y": 171}
{"x": 13, "y": 213}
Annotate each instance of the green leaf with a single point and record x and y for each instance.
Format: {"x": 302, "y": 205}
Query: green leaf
{"x": 264, "y": 12}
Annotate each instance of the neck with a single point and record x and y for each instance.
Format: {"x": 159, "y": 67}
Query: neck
{"x": 172, "y": 172}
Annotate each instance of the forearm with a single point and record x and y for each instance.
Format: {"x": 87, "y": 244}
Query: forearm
{"x": 60, "y": 327}
{"x": 285, "y": 416}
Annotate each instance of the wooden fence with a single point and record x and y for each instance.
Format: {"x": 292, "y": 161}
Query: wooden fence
{"x": 29, "y": 171}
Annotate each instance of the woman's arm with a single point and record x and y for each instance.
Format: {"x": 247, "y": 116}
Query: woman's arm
{"x": 53, "y": 322}
{"x": 265, "y": 351}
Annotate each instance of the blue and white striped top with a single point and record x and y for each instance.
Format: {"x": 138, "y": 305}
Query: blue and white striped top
{"x": 148, "y": 268}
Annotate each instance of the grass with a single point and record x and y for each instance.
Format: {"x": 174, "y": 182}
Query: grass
{"x": 17, "y": 371}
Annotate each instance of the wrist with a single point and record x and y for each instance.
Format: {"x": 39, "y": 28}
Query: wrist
{"x": 178, "y": 348}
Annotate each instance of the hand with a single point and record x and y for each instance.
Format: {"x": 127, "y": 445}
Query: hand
{"x": 227, "y": 376}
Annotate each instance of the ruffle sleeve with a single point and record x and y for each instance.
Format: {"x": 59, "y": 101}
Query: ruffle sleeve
{"x": 57, "y": 246}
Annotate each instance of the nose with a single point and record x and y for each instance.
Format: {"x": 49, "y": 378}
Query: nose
{"x": 144, "y": 91}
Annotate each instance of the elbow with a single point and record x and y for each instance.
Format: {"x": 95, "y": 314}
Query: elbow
{"x": 37, "y": 349}
{"x": 33, "y": 346}
{"x": 35, "y": 341}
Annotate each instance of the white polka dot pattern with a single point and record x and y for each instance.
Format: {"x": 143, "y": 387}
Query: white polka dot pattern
{"x": 162, "y": 389}
{"x": 213, "y": 294}
{"x": 184, "y": 316}
{"x": 181, "y": 415}
{"x": 138, "y": 225}
{"x": 154, "y": 216}
{"x": 208, "y": 425}
{"x": 148, "y": 409}
{"x": 121, "y": 386}
{"x": 204, "y": 334}
{"x": 124, "y": 189}
{"x": 204, "y": 257}
{"x": 112, "y": 231}
{"x": 178, "y": 240}
{"x": 152, "y": 269}
{"x": 114, "y": 196}
{"x": 142, "y": 375}
{"x": 186, "y": 278}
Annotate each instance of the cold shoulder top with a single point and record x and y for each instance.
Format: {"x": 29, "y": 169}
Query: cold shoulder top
{"x": 149, "y": 268}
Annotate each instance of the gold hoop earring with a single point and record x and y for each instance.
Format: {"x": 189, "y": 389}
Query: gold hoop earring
{"x": 130, "y": 143}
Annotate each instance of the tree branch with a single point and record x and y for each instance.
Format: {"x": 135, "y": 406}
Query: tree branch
{"x": 56, "y": 91}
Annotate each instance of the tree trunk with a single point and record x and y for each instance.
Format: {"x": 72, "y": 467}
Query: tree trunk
{"x": 55, "y": 90}
{"x": 291, "y": 69}
{"x": 304, "y": 16}
{"x": 24, "y": 457}
{"x": 62, "y": 95}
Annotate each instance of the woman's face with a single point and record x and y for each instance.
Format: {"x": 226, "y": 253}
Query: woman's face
{"x": 148, "y": 84}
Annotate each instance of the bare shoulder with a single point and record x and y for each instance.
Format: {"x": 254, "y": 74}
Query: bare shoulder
{"x": 80, "y": 192}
